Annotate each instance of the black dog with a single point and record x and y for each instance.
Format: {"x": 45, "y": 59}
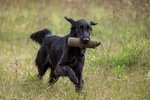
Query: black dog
{"x": 63, "y": 60}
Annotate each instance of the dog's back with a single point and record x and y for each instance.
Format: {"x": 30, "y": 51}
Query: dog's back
{"x": 51, "y": 45}
{"x": 55, "y": 46}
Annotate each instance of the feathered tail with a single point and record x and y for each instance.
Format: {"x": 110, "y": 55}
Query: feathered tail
{"x": 40, "y": 35}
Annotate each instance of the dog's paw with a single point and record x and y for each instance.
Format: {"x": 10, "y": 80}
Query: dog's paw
{"x": 39, "y": 77}
{"x": 52, "y": 81}
{"x": 78, "y": 89}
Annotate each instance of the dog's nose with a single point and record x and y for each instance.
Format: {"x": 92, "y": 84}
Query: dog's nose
{"x": 85, "y": 40}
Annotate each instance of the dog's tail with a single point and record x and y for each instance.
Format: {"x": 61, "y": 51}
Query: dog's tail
{"x": 40, "y": 35}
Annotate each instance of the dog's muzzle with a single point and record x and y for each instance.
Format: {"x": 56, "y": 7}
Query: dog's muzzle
{"x": 85, "y": 40}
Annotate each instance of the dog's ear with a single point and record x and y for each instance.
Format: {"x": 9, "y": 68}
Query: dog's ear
{"x": 93, "y": 23}
{"x": 69, "y": 20}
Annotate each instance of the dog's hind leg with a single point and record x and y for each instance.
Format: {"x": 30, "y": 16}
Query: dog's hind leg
{"x": 42, "y": 62}
{"x": 43, "y": 69}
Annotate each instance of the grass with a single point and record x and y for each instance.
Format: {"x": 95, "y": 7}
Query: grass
{"x": 118, "y": 70}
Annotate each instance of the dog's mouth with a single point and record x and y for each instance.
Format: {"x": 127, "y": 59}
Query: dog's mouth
{"x": 85, "y": 40}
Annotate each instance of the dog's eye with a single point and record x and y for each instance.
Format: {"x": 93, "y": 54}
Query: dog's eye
{"x": 81, "y": 27}
{"x": 88, "y": 27}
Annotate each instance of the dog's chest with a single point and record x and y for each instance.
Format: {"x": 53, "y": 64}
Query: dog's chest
{"x": 72, "y": 61}
{"x": 73, "y": 55}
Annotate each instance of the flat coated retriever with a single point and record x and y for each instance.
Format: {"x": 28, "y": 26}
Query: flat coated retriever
{"x": 63, "y": 60}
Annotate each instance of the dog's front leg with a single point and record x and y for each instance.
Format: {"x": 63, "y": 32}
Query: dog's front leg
{"x": 65, "y": 70}
{"x": 53, "y": 77}
{"x": 78, "y": 68}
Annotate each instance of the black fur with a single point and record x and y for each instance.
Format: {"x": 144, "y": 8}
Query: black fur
{"x": 63, "y": 60}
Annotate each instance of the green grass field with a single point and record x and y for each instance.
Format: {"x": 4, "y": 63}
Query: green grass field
{"x": 117, "y": 70}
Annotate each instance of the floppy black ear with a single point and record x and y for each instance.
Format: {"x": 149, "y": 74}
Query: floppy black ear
{"x": 69, "y": 20}
{"x": 93, "y": 23}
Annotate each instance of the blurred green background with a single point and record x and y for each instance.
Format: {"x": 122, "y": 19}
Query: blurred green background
{"x": 119, "y": 69}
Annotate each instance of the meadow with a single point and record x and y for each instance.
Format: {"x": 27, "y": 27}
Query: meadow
{"x": 119, "y": 69}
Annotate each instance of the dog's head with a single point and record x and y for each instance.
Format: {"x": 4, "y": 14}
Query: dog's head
{"x": 81, "y": 29}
